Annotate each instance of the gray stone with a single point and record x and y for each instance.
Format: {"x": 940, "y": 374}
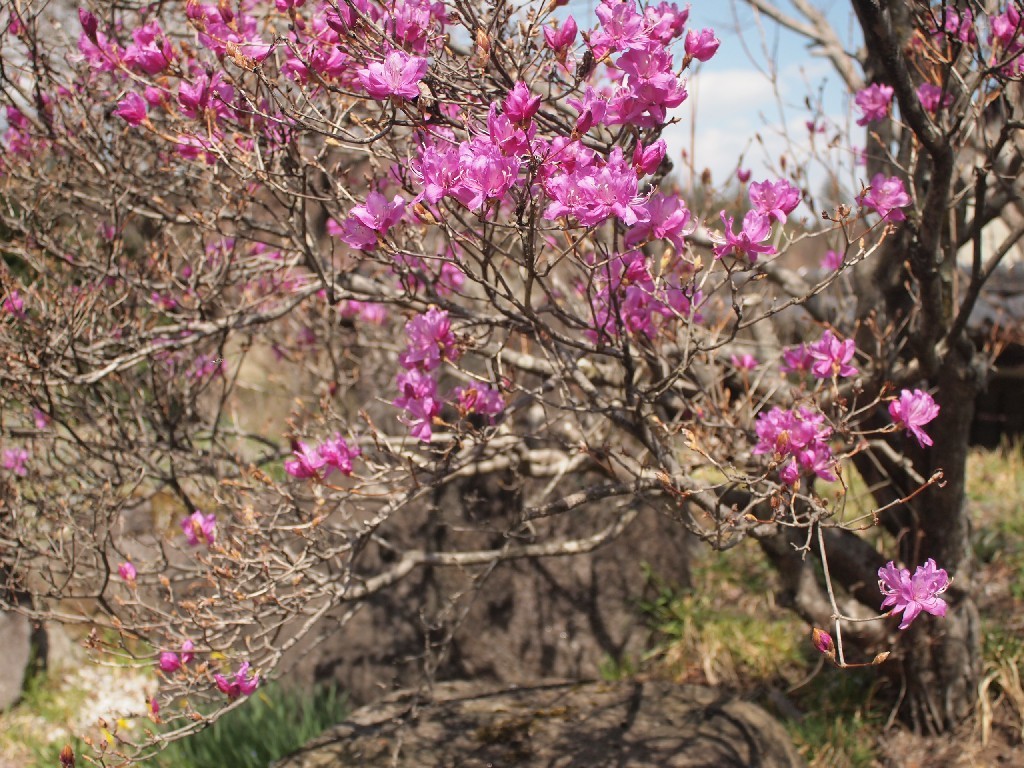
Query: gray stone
{"x": 16, "y": 650}
{"x": 557, "y": 725}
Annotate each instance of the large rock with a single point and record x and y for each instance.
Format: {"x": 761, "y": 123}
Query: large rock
{"x": 563, "y": 725}
{"x": 16, "y": 646}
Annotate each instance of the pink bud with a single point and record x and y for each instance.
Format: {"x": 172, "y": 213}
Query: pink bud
{"x": 701, "y": 45}
{"x": 88, "y": 22}
{"x": 823, "y": 642}
{"x": 520, "y": 105}
{"x": 127, "y": 572}
{"x": 169, "y": 662}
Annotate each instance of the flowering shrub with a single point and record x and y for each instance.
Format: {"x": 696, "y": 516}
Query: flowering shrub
{"x": 450, "y": 233}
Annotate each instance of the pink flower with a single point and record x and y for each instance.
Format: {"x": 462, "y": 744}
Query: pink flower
{"x": 796, "y": 360}
{"x": 307, "y": 462}
{"x": 150, "y": 53}
{"x": 14, "y": 460}
{"x": 337, "y": 454}
{"x": 646, "y": 160}
{"x": 241, "y": 685}
{"x": 832, "y": 356}
{"x": 169, "y": 662}
{"x": 886, "y": 196}
{"x": 701, "y": 45}
{"x": 559, "y": 39}
{"x": 666, "y": 217}
{"x": 369, "y": 221}
{"x": 913, "y": 410}
{"x": 419, "y": 399}
{"x": 756, "y": 229}
{"x": 873, "y": 103}
{"x": 801, "y": 434}
{"x": 745, "y": 362}
{"x": 777, "y": 199}
{"x": 520, "y": 105}
{"x": 831, "y": 261}
{"x": 197, "y": 525}
{"x": 14, "y": 305}
{"x": 479, "y": 398}
{"x": 913, "y": 594}
{"x": 931, "y": 97}
{"x": 398, "y": 75}
{"x": 127, "y": 572}
{"x": 41, "y": 420}
{"x": 131, "y": 109}
{"x": 430, "y": 341}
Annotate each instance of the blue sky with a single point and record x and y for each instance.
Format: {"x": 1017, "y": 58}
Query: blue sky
{"x": 732, "y": 97}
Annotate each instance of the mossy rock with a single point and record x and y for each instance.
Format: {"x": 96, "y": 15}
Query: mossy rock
{"x": 557, "y": 725}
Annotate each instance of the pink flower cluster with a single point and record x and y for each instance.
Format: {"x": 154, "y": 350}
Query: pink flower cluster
{"x": 241, "y": 684}
{"x": 15, "y": 460}
{"x": 801, "y": 436}
{"x": 334, "y": 453}
{"x": 430, "y": 341}
{"x": 910, "y": 595}
{"x": 629, "y": 299}
{"x": 771, "y": 201}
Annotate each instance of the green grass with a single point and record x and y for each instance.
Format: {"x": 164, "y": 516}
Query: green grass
{"x": 273, "y": 723}
{"x": 725, "y": 631}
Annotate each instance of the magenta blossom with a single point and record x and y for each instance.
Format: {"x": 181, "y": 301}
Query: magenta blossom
{"x": 560, "y": 38}
{"x": 777, "y": 200}
{"x": 241, "y": 685}
{"x": 419, "y": 399}
{"x": 744, "y": 362}
{"x": 478, "y": 398}
{"x": 127, "y": 572}
{"x": 932, "y": 97}
{"x": 337, "y": 454}
{"x": 430, "y": 341}
{"x": 701, "y": 45}
{"x": 132, "y": 108}
{"x": 14, "y": 305}
{"x": 520, "y": 105}
{"x": 199, "y": 526}
{"x": 831, "y": 261}
{"x": 832, "y": 357}
{"x": 913, "y": 410}
{"x": 796, "y": 359}
{"x": 169, "y": 662}
{"x": 757, "y": 228}
{"x": 41, "y": 420}
{"x": 307, "y": 462}
{"x": 886, "y": 196}
{"x": 913, "y": 594}
{"x": 873, "y": 103}
{"x": 398, "y": 75}
{"x": 14, "y": 460}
